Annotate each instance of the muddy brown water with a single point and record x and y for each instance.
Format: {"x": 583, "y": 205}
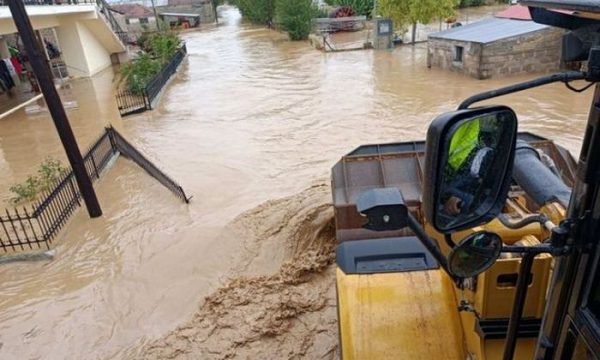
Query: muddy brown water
{"x": 250, "y": 127}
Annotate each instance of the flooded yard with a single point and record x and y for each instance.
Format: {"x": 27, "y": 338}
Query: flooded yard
{"x": 250, "y": 127}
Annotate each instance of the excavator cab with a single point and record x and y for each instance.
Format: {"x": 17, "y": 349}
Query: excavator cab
{"x": 482, "y": 242}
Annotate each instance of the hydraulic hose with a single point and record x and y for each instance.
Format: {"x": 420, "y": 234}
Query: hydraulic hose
{"x": 505, "y": 220}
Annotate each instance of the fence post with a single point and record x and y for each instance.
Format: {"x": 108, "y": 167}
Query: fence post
{"x": 147, "y": 99}
{"x": 94, "y": 164}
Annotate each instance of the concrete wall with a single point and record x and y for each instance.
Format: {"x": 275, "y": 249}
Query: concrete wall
{"x": 81, "y": 50}
{"x": 441, "y": 54}
{"x": 85, "y": 38}
{"x": 7, "y": 26}
{"x": 535, "y": 52}
{"x": 96, "y": 55}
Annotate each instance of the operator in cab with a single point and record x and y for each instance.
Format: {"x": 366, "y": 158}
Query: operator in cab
{"x": 469, "y": 157}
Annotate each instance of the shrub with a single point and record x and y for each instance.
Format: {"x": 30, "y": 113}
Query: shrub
{"x": 163, "y": 45}
{"x": 48, "y": 173}
{"x": 294, "y": 17}
{"x": 139, "y": 72}
{"x": 157, "y": 50}
{"x": 257, "y": 11}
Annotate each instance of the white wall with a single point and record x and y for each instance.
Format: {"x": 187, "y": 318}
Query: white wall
{"x": 98, "y": 58}
{"x": 81, "y": 50}
{"x": 7, "y": 26}
{"x": 72, "y": 49}
{"x": 4, "y": 53}
{"x": 85, "y": 39}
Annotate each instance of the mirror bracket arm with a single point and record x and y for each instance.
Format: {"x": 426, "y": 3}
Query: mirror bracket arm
{"x": 430, "y": 244}
{"x": 565, "y": 77}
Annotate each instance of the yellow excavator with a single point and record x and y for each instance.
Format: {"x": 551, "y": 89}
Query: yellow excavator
{"x": 481, "y": 242}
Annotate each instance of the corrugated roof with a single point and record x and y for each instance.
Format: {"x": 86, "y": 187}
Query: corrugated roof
{"x": 489, "y": 30}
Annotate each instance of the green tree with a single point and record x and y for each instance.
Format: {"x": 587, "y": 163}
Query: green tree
{"x": 257, "y": 11}
{"x": 412, "y": 12}
{"x": 294, "y": 17}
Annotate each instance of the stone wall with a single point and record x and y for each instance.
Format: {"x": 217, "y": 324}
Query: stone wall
{"x": 441, "y": 53}
{"x": 535, "y": 52}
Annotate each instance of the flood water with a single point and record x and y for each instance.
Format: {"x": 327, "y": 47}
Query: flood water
{"x": 251, "y": 117}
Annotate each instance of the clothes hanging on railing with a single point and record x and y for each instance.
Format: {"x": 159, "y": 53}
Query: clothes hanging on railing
{"x": 17, "y": 65}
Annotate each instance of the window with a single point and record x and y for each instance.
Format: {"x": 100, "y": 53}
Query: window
{"x": 143, "y": 20}
{"x": 458, "y": 53}
{"x": 127, "y": 21}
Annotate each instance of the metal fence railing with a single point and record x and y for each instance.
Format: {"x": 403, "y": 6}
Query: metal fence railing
{"x": 130, "y": 152}
{"x": 132, "y": 103}
{"x": 22, "y": 229}
{"x": 35, "y": 227}
{"x": 155, "y": 85}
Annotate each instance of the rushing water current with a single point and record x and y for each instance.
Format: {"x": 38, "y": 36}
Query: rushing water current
{"x": 251, "y": 117}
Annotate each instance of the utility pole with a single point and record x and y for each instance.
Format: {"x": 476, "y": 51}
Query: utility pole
{"x": 44, "y": 77}
{"x": 156, "y": 19}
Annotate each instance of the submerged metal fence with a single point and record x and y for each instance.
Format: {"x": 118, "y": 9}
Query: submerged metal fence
{"x": 34, "y": 227}
{"x": 24, "y": 229}
{"x": 130, "y": 152}
{"x": 131, "y": 103}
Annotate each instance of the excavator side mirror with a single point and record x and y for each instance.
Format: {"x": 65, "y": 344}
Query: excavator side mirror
{"x": 475, "y": 254}
{"x": 468, "y": 166}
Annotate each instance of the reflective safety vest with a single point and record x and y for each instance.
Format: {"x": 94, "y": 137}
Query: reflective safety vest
{"x": 463, "y": 142}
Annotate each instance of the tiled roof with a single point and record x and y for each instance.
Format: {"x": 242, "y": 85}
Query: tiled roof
{"x": 133, "y": 10}
{"x": 515, "y": 12}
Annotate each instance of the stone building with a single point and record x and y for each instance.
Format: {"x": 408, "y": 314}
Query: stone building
{"x": 134, "y": 17}
{"x": 203, "y": 8}
{"x": 496, "y": 47}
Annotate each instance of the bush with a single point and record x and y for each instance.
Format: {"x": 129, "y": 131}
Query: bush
{"x": 157, "y": 50}
{"x": 294, "y": 17}
{"x": 139, "y": 72}
{"x": 48, "y": 173}
{"x": 257, "y": 11}
{"x": 360, "y": 7}
{"x": 163, "y": 45}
